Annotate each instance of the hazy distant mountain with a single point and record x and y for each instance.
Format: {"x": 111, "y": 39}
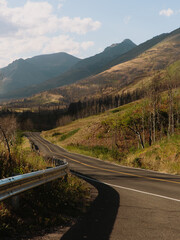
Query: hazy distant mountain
{"x": 80, "y": 70}
{"x": 54, "y": 64}
{"x": 112, "y": 55}
{"x": 91, "y": 65}
{"x": 32, "y": 71}
{"x": 126, "y": 76}
{"x": 90, "y": 69}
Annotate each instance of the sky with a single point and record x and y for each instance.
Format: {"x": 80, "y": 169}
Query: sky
{"x": 79, "y": 27}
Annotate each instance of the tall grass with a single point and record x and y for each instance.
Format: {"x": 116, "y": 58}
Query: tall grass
{"x": 46, "y": 206}
{"x": 100, "y": 152}
{"x": 23, "y": 159}
{"x": 162, "y": 156}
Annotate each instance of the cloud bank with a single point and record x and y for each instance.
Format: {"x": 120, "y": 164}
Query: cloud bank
{"x": 35, "y": 28}
{"x": 166, "y": 12}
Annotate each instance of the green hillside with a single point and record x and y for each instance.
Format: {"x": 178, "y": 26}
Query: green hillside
{"x": 117, "y": 135}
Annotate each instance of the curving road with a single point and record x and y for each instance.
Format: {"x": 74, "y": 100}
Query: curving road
{"x": 132, "y": 204}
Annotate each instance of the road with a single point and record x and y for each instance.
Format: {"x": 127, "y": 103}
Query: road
{"x": 132, "y": 204}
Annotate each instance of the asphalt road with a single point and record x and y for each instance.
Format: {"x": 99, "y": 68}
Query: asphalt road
{"x": 132, "y": 204}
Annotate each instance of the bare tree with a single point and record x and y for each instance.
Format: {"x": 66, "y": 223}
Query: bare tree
{"x": 8, "y": 127}
{"x": 154, "y": 95}
{"x": 170, "y": 105}
{"x": 138, "y": 133}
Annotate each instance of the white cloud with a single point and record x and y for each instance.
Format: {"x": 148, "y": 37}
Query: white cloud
{"x": 61, "y": 43}
{"x": 34, "y": 29}
{"x": 65, "y": 43}
{"x": 7, "y": 27}
{"x": 60, "y": 4}
{"x": 127, "y": 19}
{"x": 86, "y": 45}
{"x": 33, "y": 18}
{"x": 78, "y": 25}
{"x": 166, "y": 12}
{"x": 3, "y": 3}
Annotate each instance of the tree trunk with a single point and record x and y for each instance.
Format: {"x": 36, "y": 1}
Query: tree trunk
{"x": 7, "y": 143}
{"x": 150, "y": 130}
{"x": 138, "y": 135}
{"x": 154, "y": 122}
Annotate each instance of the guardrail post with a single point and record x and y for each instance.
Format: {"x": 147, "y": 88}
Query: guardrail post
{"x": 15, "y": 202}
{"x": 66, "y": 178}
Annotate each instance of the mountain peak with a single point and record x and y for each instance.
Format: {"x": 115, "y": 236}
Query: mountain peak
{"x": 127, "y": 40}
{"x": 125, "y": 43}
{"x": 113, "y": 45}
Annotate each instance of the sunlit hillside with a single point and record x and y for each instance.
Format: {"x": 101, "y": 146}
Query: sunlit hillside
{"x": 137, "y": 134}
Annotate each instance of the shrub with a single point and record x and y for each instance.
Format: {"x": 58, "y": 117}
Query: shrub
{"x": 69, "y": 134}
{"x": 137, "y": 162}
{"x": 56, "y": 134}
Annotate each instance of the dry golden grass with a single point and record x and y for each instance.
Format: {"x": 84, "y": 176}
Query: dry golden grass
{"x": 86, "y": 134}
{"x": 163, "y": 156}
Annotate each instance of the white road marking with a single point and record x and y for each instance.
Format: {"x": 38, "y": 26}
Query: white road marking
{"x": 130, "y": 189}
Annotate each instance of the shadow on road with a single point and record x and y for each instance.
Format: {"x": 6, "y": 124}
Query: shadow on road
{"x": 98, "y": 222}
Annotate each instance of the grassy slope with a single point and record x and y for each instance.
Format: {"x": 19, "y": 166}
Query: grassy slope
{"x": 94, "y": 136}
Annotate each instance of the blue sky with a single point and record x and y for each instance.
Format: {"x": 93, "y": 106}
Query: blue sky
{"x": 79, "y": 27}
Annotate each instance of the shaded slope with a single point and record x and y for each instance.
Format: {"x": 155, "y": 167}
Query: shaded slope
{"x": 82, "y": 69}
{"x": 19, "y": 74}
{"x": 90, "y": 66}
{"x": 24, "y": 73}
{"x": 109, "y": 57}
{"x": 54, "y": 64}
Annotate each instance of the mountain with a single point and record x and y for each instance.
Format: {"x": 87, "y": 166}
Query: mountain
{"x": 126, "y": 76}
{"x": 89, "y": 66}
{"x": 160, "y": 52}
{"x": 113, "y": 55}
{"x": 55, "y": 64}
{"x": 130, "y": 75}
{"x": 80, "y": 70}
{"x": 24, "y": 73}
{"x": 103, "y": 75}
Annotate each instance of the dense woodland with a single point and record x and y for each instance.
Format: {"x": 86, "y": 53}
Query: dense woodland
{"x": 45, "y": 119}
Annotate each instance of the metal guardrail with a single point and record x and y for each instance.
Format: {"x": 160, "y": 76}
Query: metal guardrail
{"x": 21, "y": 183}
